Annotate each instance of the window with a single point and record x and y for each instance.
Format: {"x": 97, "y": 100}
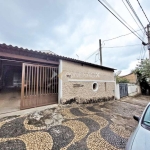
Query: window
{"x": 146, "y": 119}
{"x": 95, "y": 86}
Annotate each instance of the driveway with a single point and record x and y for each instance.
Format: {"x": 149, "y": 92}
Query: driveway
{"x": 105, "y": 125}
{"x": 9, "y": 101}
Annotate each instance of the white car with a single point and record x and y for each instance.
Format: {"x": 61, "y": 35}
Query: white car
{"x": 140, "y": 138}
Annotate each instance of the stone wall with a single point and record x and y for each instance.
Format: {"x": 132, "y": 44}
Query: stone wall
{"x": 78, "y": 80}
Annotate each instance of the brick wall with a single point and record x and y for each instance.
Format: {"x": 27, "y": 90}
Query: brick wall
{"x": 131, "y": 77}
{"x": 77, "y": 81}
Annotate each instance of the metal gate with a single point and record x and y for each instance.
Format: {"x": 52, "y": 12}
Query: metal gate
{"x": 39, "y": 85}
{"x": 123, "y": 87}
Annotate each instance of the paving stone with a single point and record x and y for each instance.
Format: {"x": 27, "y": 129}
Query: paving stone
{"x": 73, "y": 127}
{"x": 13, "y": 128}
{"x": 77, "y": 112}
{"x": 93, "y": 109}
{"x": 13, "y": 145}
{"x": 61, "y": 135}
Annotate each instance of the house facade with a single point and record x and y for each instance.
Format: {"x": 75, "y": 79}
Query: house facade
{"x": 132, "y": 78}
{"x": 84, "y": 82}
{"x": 44, "y": 78}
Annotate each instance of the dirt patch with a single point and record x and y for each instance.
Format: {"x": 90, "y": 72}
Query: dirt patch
{"x": 127, "y": 122}
{"x": 48, "y": 117}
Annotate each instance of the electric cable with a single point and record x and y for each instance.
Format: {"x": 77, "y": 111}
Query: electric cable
{"x": 131, "y": 7}
{"x": 143, "y": 47}
{"x": 106, "y": 3}
{"x": 91, "y": 54}
{"x": 120, "y": 20}
{"x": 144, "y": 51}
{"x": 120, "y": 36}
{"x": 122, "y": 46}
{"x": 143, "y": 11}
{"x": 131, "y": 14}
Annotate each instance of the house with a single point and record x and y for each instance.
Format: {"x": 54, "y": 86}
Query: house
{"x": 132, "y": 78}
{"x": 41, "y": 78}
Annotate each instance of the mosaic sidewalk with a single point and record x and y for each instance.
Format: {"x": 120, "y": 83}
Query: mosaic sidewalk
{"x": 105, "y": 126}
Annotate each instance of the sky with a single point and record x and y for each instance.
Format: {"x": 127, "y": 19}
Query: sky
{"x": 73, "y": 28}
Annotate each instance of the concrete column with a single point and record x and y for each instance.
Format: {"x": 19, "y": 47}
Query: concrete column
{"x": 117, "y": 91}
{"x": 60, "y": 82}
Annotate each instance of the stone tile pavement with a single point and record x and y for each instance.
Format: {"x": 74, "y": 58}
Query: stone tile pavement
{"x": 105, "y": 125}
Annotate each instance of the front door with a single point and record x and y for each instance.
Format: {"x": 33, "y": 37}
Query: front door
{"x": 39, "y": 85}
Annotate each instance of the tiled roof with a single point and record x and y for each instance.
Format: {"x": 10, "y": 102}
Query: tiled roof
{"x": 53, "y": 55}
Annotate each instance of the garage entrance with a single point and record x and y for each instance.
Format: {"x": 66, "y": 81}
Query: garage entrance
{"x": 10, "y": 85}
{"x": 27, "y": 78}
{"x": 39, "y": 85}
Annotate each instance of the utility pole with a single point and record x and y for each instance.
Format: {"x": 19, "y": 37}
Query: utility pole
{"x": 148, "y": 34}
{"x": 100, "y": 51}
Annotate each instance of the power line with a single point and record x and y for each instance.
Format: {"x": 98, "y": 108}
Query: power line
{"x": 143, "y": 47}
{"x": 131, "y": 7}
{"x": 123, "y": 46}
{"x": 131, "y": 14}
{"x": 141, "y": 55}
{"x": 121, "y": 36}
{"x": 91, "y": 54}
{"x": 143, "y": 11}
{"x": 120, "y": 21}
{"x": 144, "y": 52}
{"x": 106, "y": 3}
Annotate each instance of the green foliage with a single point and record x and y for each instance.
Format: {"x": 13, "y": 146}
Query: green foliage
{"x": 143, "y": 76}
{"x": 121, "y": 80}
{"x": 143, "y": 70}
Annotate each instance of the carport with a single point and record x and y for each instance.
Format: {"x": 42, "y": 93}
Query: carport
{"x": 27, "y": 78}
{"x": 10, "y": 85}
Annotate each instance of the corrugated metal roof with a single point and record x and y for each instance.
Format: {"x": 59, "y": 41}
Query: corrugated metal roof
{"x": 53, "y": 55}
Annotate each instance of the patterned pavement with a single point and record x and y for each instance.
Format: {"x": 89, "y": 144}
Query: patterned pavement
{"x": 97, "y": 126}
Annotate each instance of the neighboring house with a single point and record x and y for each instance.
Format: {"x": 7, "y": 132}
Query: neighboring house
{"x": 128, "y": 89}
{"x": 47, "y": 78}
{"x": 132, "y": 78}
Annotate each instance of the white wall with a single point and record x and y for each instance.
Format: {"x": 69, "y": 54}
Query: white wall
{"x": 117, "y": 92}
{"x": 133, "y": 89}
{"x": 60, "y": 82}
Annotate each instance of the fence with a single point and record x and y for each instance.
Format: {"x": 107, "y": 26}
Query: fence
{"x": 133, "y": 90}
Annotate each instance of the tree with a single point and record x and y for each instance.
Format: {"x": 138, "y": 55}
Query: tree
{"x": 143, "y": 70}
{"x": 143, "y": 76}
{"x": 121, "y": 80}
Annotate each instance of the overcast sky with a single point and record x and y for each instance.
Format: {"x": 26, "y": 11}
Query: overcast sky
{"x": 73, "y": 27}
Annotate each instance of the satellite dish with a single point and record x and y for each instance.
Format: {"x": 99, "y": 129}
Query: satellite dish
{"x": 118, "y": 72}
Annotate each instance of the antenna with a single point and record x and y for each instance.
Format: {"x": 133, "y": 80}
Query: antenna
{"x": 77, "y": 56}
{"x": 118, "y": 72}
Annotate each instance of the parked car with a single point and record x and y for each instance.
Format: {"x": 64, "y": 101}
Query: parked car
{"x": 140, "y": 138}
